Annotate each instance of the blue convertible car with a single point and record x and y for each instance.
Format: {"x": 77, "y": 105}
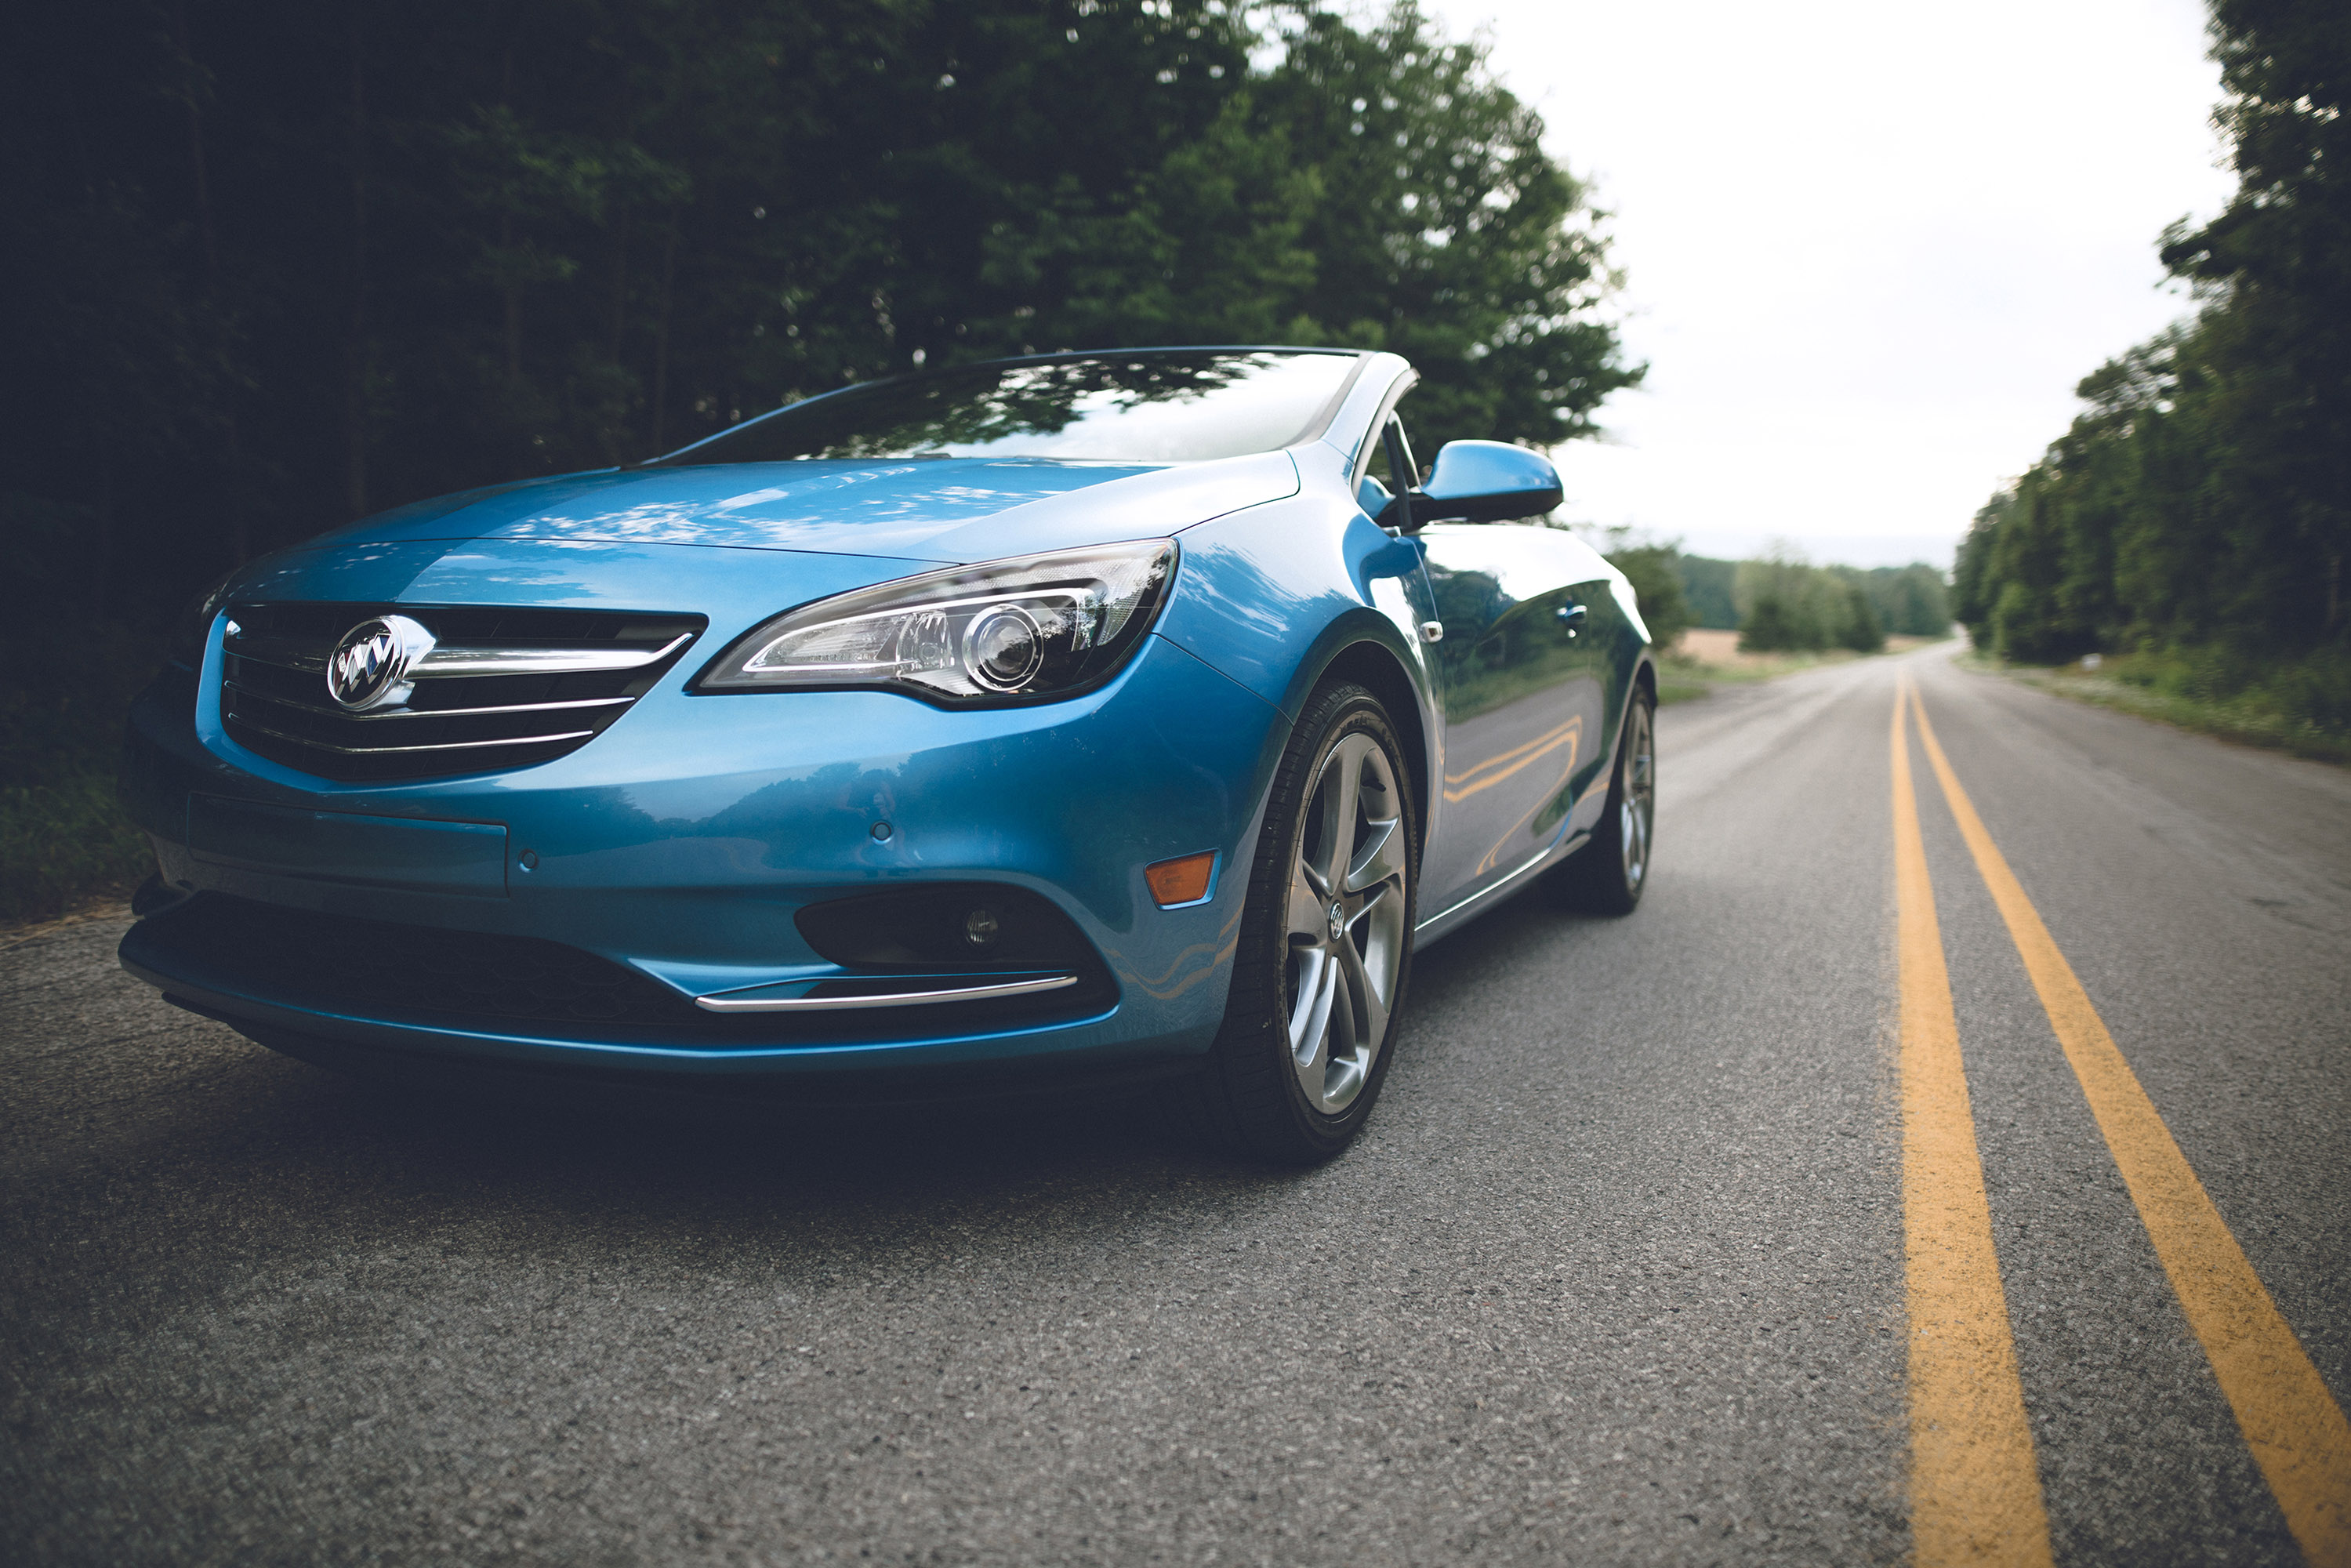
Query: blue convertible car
{"x": 1125, "y": 716}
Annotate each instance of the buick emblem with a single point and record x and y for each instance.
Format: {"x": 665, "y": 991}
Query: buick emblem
{"x": 369, "y": 667}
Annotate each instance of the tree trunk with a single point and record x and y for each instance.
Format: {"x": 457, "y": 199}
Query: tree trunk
{"x": 238, "y": 538}
{"x": 661, "y": 339}
{"x": 355, "y": 345}
{"x": 200, "y": 183}
{"x": 513, "y": 292}
{"x": 620, "y": 280}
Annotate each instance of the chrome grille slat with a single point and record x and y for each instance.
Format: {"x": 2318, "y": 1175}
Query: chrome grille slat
{"x": 275, "y": 653}
{"x": 493, "y": 687}
{"x": 445, "y": 663}
{"x": 410, "y": 713}
{"x": 444, "y": 746}
{"x": 442, "y": 664}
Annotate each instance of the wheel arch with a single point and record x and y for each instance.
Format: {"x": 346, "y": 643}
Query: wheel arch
{"x": 1644, "y": 679}
{"x": 1374, "y": 666}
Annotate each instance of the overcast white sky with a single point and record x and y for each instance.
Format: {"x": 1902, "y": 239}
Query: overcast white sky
{"x": 1869, "y": 248}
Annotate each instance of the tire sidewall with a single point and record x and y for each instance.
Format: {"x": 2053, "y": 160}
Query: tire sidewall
{"x": 1643, "y": 714}
{"x": 1258, "y": 1021}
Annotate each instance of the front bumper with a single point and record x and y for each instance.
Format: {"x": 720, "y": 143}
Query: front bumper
{"x": 679, "y": 844}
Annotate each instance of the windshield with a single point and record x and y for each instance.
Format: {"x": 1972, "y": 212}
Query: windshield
{"x": 1176, "y": 406}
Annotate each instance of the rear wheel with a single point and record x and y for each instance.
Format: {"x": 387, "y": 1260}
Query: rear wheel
{"x": 1607, "y": 875}
{"x": 1325, "y": 943}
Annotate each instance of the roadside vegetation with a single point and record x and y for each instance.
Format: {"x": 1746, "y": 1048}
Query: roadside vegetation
{"x": 2267, "y": 706}
{"x": 2191, "y": 529}
{"x": 62, "y": 838}
{"x": 1719, "y": 621}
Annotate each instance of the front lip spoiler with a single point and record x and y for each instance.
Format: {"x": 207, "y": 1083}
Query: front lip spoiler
{"x": 456, "y": 1042}
{"x": 737, "y": 1002}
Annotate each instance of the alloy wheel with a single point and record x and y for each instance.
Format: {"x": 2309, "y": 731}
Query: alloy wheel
{"x": 1346, "y": 923}
{"x": 1639, "y": 805}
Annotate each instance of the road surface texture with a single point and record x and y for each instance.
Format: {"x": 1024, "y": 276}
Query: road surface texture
{"x": 1618, "y": 1273}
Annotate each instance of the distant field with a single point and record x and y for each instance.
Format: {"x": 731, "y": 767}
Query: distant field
{"x": 1719, "y": 651}
{"x": 1703, "y": 658}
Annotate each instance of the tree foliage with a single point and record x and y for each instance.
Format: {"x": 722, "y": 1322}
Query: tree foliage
{"x": 1654, "y": 572}
{"x": 1785, "y": 603}
{"x": 266, "y": 266}
{"x": 2199, "y": 507}
{"x": 1706, "y": 586}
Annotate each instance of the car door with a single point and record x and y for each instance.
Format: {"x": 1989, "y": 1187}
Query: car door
{"x": 1521, "y": 674}
{"x": 1524, "y": 684}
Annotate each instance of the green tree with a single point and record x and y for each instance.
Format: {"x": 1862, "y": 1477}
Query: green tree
{"x": 1709, "y": 586}
{"x": 1786, "y": 603}
{"x": 289, "y": 264}
{"x": 1857, "y": 625}
{"x": 1653, "y": 570}
{"x": 2195, "y": 509}
{"x": 1912, "y": 601}
{"x": 2278, "y": 260}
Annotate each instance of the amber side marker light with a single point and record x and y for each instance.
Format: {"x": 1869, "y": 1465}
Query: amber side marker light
{"x": 1183, "y": 880}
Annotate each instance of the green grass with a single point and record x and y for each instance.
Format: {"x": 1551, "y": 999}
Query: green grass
{"x": 2301, "y": 707}
{"x": 64, "y": 841}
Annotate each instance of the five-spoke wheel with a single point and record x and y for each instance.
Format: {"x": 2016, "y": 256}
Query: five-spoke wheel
{"x": 1346, "y": 922}
{"x": 1325, "y": 944}
{"x": 1606, "y": 876}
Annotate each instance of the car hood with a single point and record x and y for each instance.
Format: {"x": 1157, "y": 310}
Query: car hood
{"x": 943, "y": 509}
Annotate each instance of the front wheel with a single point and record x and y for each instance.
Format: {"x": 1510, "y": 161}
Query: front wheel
{"x": 1607, "y": 875}
{"x": 1325, "y": 943}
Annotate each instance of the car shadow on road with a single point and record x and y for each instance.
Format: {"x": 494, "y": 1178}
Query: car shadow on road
{"x": 218, "y": 1129}
{"x": 686, "y": 1153}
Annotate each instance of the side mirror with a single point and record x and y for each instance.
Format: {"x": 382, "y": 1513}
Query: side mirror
{"x": 1484, "y": 482}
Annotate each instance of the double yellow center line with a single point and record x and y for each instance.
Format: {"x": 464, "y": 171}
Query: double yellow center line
{"x": 1975, "y": 1488}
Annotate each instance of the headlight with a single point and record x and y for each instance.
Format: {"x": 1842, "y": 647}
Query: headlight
{"x": 195, "y": 622}
{"x": 1031, "y": 629}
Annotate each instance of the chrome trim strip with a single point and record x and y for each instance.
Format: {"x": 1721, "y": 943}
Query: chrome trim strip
{"x": 423, "y": 712}
{"x": 276, "y": 653}
{"x": 383, "y": 750}
{"x": 1484, "y": 892}
{"x": 1554, "y": 851}
{"x": 722, "y": 1003}
{"x": 442, "y": 664}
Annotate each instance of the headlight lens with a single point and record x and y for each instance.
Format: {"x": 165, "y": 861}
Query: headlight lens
{"x": 1031, "y": 629}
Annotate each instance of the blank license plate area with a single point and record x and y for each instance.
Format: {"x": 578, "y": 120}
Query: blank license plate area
{"x": 345, "y": 847}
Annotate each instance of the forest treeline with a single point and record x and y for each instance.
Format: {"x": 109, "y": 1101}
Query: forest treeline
{"x": 2195, "y": 518}
{"x": 1780, "y": 602}
{"x": 271, "y": 265}
{"x": 266, "y": 266}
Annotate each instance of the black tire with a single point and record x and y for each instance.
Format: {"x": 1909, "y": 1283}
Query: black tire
{"x": 1253, "y": 1095}
{"x": 1609, "y": 874}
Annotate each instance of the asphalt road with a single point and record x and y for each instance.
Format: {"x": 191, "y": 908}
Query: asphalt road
{"x": 1616, "y": 1275}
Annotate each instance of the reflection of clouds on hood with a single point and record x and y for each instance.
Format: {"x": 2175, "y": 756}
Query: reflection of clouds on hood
{"x": 861, "y": 506}
{"x": 925, "y": 508}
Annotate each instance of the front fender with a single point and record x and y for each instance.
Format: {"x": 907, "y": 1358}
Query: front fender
{"x": 1275, "y": 596}
{"x": 1268, "y": 596}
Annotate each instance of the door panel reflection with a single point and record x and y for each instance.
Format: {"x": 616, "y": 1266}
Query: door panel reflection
{"x": 1521, "y": 680}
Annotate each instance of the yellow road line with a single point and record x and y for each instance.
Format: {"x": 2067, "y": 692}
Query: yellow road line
{"x": 2292, "y": 1424}
{"x": 1975, "y": 1492}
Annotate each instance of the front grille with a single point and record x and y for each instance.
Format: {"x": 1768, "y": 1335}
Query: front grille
{"x": 503, "y": 688}
{"x": 381, "y": 967}
{"x": 398, "y": 973}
